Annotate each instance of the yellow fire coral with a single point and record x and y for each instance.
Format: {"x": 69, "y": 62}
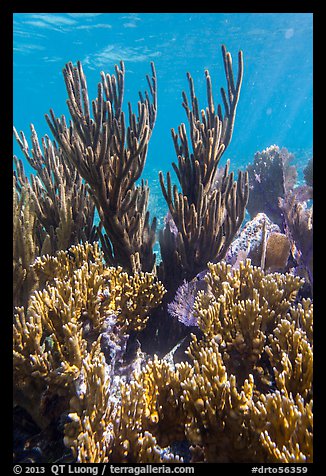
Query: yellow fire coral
{"x": 291, "y": 356}
{"x": 88, "y": 432}
{"x": 243, "y": 395}
{"x": 240, "y": 307}
{"x": 215, "y": 408}
{"x": 251, "y": 321}
{"x": 227, "y": 409}
{"x": 131, "y": 297}
{"x": 284, "y": 425}
{"x": 25, "y": 248}
{"x": 163, "y": 414}
{"x": 133, "y": 443}
{"x": 50, "y": 343}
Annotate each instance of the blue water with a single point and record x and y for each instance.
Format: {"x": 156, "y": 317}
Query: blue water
{"x": 275, "y": 104}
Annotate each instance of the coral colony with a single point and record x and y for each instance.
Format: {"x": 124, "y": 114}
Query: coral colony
{"x": 205, "y": 356}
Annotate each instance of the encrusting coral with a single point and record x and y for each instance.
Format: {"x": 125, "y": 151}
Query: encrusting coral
{"x": 261, "y": 241}
{"x": 228, "y": 377}
{"x": 273, "y": 191}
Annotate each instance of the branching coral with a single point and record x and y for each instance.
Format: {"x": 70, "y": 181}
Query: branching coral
{"x": 25, "y": 247}
{"x": 163, "y": 414}
{"x": 242, "y": 388}
{"x": 133, "y": 443}
{"x": 98, "y": 431}
{"x": 51, "y": 341}
{"x": 253, "y": 346}
{"x": 48, "y": 339}
{"x": 272, "y": 293}
{"x": 260, "y": 331}
{"x": 110, "y": 156}
{"x": 88, "y": 431}
{"x": 303, "y": 317}
{"x": 253, "y": 359}
{"x": 63, "y": 208}
{"x": 284, "y": 425}
{"x": 143, "y": 407}
{"x": 291, "y": 355}
{"x": 206, "y": 219}
{"x": 215, "y": 408}
{"x": 131, "y": 297}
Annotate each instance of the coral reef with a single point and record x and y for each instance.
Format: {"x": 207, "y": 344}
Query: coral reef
{"x": 206, "y": 214}
{"x": 52, "y": 338}
{"x": 273, "y": 191}
{"x": 207, "y": 357}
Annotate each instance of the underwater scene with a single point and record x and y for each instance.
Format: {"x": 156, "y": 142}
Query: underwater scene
{"x": 163, "y": 238}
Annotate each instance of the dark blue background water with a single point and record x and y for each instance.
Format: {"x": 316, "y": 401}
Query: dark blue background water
{"x": 276, "y": 99}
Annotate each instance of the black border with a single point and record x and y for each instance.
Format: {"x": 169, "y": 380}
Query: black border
{"x": 6, "y": 30}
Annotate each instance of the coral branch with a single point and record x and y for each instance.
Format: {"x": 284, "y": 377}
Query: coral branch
{"x": 207, "y": 218}
{"x": 110, "y": 156}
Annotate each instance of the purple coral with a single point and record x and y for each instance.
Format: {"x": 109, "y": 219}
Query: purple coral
{"x": 169, "y": 223}
{"x": 270, "y": 176}
{"x": 183, "y": 304}
{"x": 299, "y": 227}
